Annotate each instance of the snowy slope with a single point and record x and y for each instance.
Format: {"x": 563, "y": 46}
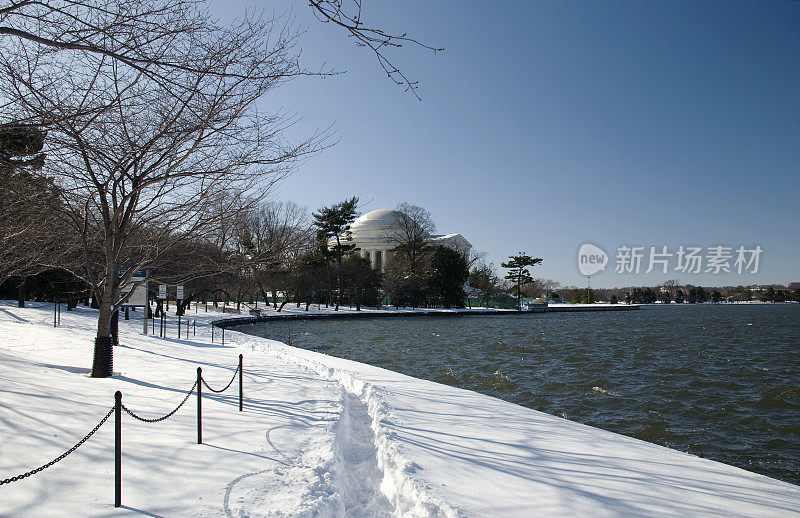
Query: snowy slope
{"x": 319, "y": 436}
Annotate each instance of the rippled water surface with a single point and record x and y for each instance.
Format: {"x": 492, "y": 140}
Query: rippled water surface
{"x": 722, "y": 381}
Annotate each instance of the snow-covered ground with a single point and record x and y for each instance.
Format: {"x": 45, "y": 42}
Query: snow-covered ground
{"x": 319, "y": 436}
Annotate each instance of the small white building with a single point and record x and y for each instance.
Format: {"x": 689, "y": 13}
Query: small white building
{"x": 373, "y": 234}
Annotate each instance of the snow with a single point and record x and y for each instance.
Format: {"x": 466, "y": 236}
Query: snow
{"x": 319, "y": 436}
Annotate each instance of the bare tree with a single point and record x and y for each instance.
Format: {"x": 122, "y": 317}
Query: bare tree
{"x": 150, "y": 111}
{"x": 135, "y": 153}
{"x": 539, "y": 287}
{"x": 276, "y": 233}
{"x": 411, "y": 229}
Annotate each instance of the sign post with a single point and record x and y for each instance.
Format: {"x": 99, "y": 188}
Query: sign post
{"x": 137, "y": 288}
{"x": 145, "y": 310}
{"x": 178, "y": 308}
{"x": 162, "y": 295}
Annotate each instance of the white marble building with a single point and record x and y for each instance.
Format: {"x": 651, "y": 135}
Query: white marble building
{"x": 372, "y": 234}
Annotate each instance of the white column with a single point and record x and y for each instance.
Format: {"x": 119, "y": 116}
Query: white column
{"x": 373, "y": 258}
{"x": 362, "y": 253}
{"x": 384, "y": 258}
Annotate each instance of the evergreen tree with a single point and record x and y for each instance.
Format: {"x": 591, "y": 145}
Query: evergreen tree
{"x": 483, "y": 279}
{"x": 448, "y": 273}
{"x": 30, "y": 237}
{"x": 518, "y": 272}
{"x": 20, "y": 147}
{"x": 586, "y": 296}
{"x": 362, "y": 282}
{"x": 334, "y": 223}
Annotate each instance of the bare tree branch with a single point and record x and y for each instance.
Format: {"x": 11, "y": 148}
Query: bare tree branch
{"x": 377, "y": 40}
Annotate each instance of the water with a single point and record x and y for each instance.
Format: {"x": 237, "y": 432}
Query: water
{"x": 722, "y": 381}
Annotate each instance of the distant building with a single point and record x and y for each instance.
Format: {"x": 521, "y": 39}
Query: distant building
{"x": 794, "y": 285}
{"x": 373, "y": 234}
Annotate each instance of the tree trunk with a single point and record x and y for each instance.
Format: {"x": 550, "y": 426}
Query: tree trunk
{"x": 21, "y": 293}
{"x": 115, "y": 327}
{"x": 103, "y": 362}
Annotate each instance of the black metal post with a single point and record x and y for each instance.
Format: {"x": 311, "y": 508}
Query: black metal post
{"x": 54, "y": 313}
{"x": 223, "y": 336}
{"x": 117, "y": 449}
{"x": 194, "y": 328}
{"x": 212, "y": 332}
{"x": 179, "y": 328}
{"x": 199, "y": 406}
{"x": 59, "y": 313}
{"x": 154, "y": 325}
{"x": 241, "y": 374}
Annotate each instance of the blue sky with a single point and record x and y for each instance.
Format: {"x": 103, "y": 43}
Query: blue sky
{"x": 545, "y": 125}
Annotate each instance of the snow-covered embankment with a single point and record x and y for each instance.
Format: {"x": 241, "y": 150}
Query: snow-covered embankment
{"x": 319, "y": 436}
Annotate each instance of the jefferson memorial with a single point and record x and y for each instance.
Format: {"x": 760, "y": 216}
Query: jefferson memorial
{"x": 374, "y": 234}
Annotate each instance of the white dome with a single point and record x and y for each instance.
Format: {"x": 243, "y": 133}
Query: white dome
{"x": 376, "y": 217}
{"x": 376, "y": 234}
{"x": 376, "y": 224}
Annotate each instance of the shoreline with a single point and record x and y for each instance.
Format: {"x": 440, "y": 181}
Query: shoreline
{"x": 373, "y": 313}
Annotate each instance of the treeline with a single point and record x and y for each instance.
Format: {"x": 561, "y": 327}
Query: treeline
{"x": 671, "y": 292}
{"x": 268, "y": 251}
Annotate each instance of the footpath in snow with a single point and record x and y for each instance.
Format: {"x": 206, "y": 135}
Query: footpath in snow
{"x": 319, "y": 436}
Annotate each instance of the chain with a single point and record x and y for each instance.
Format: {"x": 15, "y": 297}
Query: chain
{"x": 60, "y": 457}
{"x": 156, "y": 420}
{"x": 102, "y": 422}
{"x": 226, "y": 386}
